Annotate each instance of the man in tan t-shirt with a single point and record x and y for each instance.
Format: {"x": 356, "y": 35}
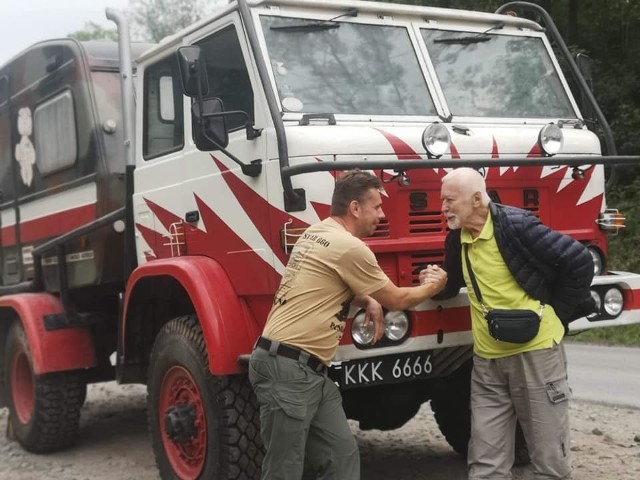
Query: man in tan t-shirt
{"x": 302, "y": 421}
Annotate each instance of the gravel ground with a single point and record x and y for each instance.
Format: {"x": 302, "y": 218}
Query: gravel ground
{"x": 114, "y": 444}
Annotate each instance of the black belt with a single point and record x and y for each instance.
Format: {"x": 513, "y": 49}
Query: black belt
{"x": 293, "y": 353}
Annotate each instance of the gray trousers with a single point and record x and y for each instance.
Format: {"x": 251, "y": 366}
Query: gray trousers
{"x": 302, "y": 422}
{"x": 532, "y": 388}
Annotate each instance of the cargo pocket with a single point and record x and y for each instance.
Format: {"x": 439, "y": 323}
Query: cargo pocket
{"x": 293, "y": 408}
{"x": 259, "y": 372}
{"x": 558, "y": 392}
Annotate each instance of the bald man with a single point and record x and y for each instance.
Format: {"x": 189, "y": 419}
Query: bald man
{"x": 518, "y": 263}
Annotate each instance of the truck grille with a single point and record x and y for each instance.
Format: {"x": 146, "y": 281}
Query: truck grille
{"x": 382, "y": 230}
{"x": 420, "y": 260}
{"x": 426, "y": 222}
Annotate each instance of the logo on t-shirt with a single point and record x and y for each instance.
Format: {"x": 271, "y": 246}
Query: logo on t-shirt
{"x": 344, "y": 311}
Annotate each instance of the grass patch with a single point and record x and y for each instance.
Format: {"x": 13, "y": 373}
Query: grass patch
{"x": 623, "y": 335}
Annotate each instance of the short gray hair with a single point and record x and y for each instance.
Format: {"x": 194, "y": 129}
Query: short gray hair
{"x": 470, "y": 181}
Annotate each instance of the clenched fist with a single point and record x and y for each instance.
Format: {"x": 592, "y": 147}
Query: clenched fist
{"x": 435, "y": 275}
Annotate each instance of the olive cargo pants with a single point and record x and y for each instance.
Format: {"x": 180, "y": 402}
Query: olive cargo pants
{"x": 530, "y": 387}
{"x": 303, "y": 425}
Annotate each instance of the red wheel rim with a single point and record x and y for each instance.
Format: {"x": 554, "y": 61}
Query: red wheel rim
{"x": 22, "y": 386}
{"x": 179, "y": 387}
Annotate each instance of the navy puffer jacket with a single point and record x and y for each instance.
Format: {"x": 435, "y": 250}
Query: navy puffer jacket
{"x": 551, "y": 267}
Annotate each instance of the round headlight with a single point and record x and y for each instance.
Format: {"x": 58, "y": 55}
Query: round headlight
{"x": 613, "y": 302}
{"x": 396, "y": 325}
{"x": 597, "y": 260}
{"x": 551, "y": 139}
{"x": 436, "y": 140}
{"x": 598, "y": 301}
{"x": 361, "y": 333}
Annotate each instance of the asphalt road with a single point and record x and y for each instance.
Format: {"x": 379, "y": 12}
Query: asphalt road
{"x": 604, "y": 374}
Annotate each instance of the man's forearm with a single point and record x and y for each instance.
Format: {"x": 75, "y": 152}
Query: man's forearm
{"x": 411, "y": 296}
{"x": 361, "y": 301}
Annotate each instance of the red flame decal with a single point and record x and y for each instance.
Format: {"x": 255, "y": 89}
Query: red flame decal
{"x": 156, "y": 242}
{"x": 262, "y": 213}
{"x": 402, "y": 149}
{"x": 165, "y": 216}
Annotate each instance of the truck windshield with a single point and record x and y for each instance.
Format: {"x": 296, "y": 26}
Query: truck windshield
{"x": 500, "y": 76}
{"x": 346, "y": 69}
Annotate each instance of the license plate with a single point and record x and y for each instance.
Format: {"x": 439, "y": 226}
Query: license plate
{"x": 383, "y": 370}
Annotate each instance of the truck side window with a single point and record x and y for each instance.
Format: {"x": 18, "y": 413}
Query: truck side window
{"x": 4, "y": 89}
{"x": 54, "y": 128}
{"x": 163, "y": 129}
{"x": 6, "y": 158}
{"x": 228, "y": 76}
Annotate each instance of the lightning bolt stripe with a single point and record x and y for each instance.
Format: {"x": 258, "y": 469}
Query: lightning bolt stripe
{"x": 243, "y": 264}
{"x": 156, "y": 242}
{"x": 165, "y": 216}
{"x": 254, "y": 205}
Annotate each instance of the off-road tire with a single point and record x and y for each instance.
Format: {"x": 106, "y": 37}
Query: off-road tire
{"x": 452, "y": 412}
{"x": 44, "y": 410}
{"x": 231, "y": 444}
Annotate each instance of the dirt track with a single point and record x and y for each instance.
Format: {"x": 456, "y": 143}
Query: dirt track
{"x": 114, "y": 444}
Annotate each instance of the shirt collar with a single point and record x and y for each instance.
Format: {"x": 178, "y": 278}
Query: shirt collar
{"x": 485, "y": 234}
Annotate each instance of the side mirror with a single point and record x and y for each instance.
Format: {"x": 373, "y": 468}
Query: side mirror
{"x": 193, "y": 72}
{"x": 209, "y": 127}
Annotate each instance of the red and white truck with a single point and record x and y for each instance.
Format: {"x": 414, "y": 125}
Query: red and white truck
{"x": 150, "y": 196}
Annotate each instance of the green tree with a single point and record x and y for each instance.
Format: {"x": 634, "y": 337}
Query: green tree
{"x": 160, "y": 18}
{"x": 93, "y": 31}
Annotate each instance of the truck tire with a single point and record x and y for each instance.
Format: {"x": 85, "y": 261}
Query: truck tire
{"x": 451, "y": 409}
{"x": 44, "y": 410}
{"x": 201, "y": 426}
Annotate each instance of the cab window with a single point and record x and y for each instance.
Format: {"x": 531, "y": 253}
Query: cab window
{"x": 228, "y": 76}
{"x": 163, "y": 112}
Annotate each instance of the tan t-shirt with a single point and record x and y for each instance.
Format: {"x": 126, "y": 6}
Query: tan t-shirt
{"x": 327, "y": 268}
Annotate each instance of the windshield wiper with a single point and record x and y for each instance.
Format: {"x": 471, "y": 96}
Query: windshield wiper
{"x": 479, "y": 38}
{"x": 307, "y": 27}
{"x": 318, "y": 25}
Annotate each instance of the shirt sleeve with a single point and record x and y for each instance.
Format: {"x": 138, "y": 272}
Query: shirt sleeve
{"x": 452, "y": 265}
{"x": 359, "y": 269}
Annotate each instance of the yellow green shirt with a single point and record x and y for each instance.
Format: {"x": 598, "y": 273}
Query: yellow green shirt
{"x": 500, "y": 290}
{"x": 327, "y": 268}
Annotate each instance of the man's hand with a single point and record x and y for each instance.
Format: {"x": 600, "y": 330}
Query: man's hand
{"x": 372, "y": 313}
{"x": 433, "y": 274}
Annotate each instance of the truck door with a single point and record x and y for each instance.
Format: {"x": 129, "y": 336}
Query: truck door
{"x": 238, "y": 217}
{"x": 222, "y": 210}
{"x": 158, "y": 202}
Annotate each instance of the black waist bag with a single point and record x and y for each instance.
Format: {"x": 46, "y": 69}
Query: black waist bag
{"x": 513, "y": 326}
